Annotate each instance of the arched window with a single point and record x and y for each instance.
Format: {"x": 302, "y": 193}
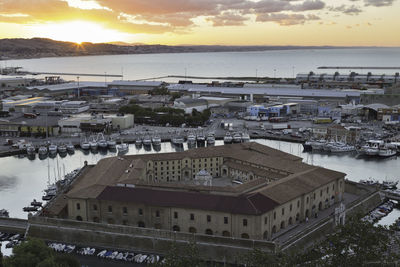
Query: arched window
{"x": 157, "y": 225}
{"x": 78, "y": 218}
{"x": 297, "y": 217}
{"x": 244, "y": 235}
{"x": 307, "y": 213}
{"x": 265, "y": 235}
{"x": 141, "y": 224}
{"x": 176, "y": 228}
{"x": 94, "y": 207}
{"x": 290, "y": 221}
{"x": 209, "y": 232}
{"x": 78, "y": 206}
{"x": 192, "y": 230}
{"x": 224, "y": 172}
{"x": 226, "y": 233}
{"x": 110, "y": 221}
{"x": 282, "y": 225}
{"x": 320, "y": 206}
{"x": 96, "y": 219}
{"x": 274, "y": 229}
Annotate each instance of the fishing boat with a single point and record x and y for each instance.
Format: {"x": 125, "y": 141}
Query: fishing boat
{"x": 70, "y": 148}
{"x": 93, "y": 143}
{"x": 386, "y": 152}
{"x": 28, "y": 209}
{"x": 122, "y": 148}
{"x": 62, "y": 148}
{"x": 138, "y": 142}
{"x": 42, "y": 150}
{"x": 101, "y": 141}
{"x": 191, "y": 139}
{"x": 178, "y": 140}
{"x": 317, "y": 145}
{"x": 147, "y": 141}
{"x": 371, "y": 148}
{"x": 228, "y": 138}
{"x": 85, "y": 145}
{"x": 342, "y": 148}
{"x": 35, "y": 203}
{"x": 201, "y": 138}
{"x": 4, "y": 213}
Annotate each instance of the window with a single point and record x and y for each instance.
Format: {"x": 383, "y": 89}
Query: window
{"x": 94, "y": 207}
{"x": 125, "y": 210}
{"x": 265, "y": 220}
{"x": 307, "y": 200}
{"x": 244, "y": 222}
{"x": 274, "y": 215}
{"x": 283, "y": 211}
{"x": 298, "y": 203}
{"x": 109, "y": 208}
{"x": 157, "y": 213}
{"x": 208, "y": 218}
{"x": 327, "y": 190}
{"x": 140, "y": 212}
{"x": 78, "y": 206}
{"x": 191, "y": 216}
{"x": 175, "y": 215}
{"x": 320, "y": 193}
{"x": 225, "y": 220}
{"x": 333, "y": 187}
{"x": 290, "y": 207}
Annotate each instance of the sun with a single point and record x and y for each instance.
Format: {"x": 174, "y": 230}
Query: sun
{"x": 78, "y": 32}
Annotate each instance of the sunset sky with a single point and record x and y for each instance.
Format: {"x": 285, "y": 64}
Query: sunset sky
{"x": 227, "y": 22}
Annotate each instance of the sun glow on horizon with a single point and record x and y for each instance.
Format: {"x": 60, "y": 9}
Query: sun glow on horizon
{"x": 77, "y": 32}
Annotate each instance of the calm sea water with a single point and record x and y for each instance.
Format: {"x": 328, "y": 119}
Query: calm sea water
{"x": 283, "y": 63}
{"x": 23, "y": 179}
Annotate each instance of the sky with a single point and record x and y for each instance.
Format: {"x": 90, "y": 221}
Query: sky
{"x": 206, "y": 22}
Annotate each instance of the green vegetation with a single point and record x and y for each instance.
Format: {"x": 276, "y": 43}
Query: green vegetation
{"x": 164, "y": 115}
{"x": 35, "y": 253}
{"x": 355, "y": 244}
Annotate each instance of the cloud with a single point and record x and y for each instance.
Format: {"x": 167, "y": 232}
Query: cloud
{"x": 286, "y": 19}
{"x": 227, "y": 19}
{"x": 378, "y": 3}
{"x": 348, "y": 10}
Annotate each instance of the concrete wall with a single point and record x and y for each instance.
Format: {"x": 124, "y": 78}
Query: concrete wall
{"x": 141, "y": 239}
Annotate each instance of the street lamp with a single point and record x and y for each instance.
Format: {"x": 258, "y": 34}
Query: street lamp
{"x": 78, "y": 86}
{"x": 274, "y": 73}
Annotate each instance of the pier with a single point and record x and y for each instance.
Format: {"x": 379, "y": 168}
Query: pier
{"x": 13, "y": 225}
{"x": 358, "y": 68}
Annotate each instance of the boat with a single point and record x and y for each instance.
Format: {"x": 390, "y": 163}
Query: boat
{"x": 85, "y": 145}
{"x": 210, "y": 139}
{"x": 111, "y": 144}
{"x": 201, "y": 138}
{"x": 147, "y": 141}
{"x": 93, "y": 144}
{"x": 386, "y": 152}
{"x": 178, "y": 140}
{"x": 122, "y": 148}
{"x": 228, "y": 138}
{"x": 35, "y": 203}
{"x": 4, "y": 213}
{"x": 371, "y": 148}
{"x": 138, "y": 142}
{"x": 42, "y": 150}
{"x": 191, "y": 139}
{"x": 342, "y": 148}
{"x": 53, "y": 149}
{"x": 28, "y": 209}
{"x": 102, "y": 143}
{"x": 317, "y": 145}
{"x": 156, "y": 140}
{"x": 30, "y": 150}
{"x": 62, "y": 148}
{"x": 70, "y": 147}
{"x": 245, "y": 137}
{"x": 237, "y": 138}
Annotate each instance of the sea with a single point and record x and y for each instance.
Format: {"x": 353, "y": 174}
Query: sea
{"x": 276, "y": 63}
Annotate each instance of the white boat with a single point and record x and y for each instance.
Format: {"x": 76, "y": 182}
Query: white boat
{"x": 62, "y": 148}
{"x": 201, "y": 138}
{"x": 386, "y": 152}
{"x": 237, "y": 138}
{"x": 228, "y": 138}
{"x": 156, "y": 140}
{"x": 191, "y": 139}
{"x": 93, "y": 145}
{"x": 371, "y": 148}
{"x": 122, "y": 148}
{"x": 147, "y": 141}
{"x": 101, "y": 141}
{"x": 42, "y": 150}
{"x": 70, "y": 147}
{"x": 178, "y": 140}
{"x": 245, "y": 137}
{"x": 30, "y": 150}
{"x": 52, "y": 149}
{"x": 4, "y": 213}
{"x": 111, "y": 144}
{"x": 138, "y": 142}
{"x": 342, "y": 148}
{"x": 317, "y": 145}
{"x": 210, "y": 139}
{"x": 85, "y": 145}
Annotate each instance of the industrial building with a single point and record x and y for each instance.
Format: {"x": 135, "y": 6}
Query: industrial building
{"x": 241, "y": 190}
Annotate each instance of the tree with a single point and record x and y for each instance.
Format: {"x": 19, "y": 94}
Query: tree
{"x": 188, "y": 256}
{"x": 35, "y": 253}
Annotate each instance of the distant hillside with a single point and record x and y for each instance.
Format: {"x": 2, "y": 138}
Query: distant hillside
{"x": 40, "y": 47}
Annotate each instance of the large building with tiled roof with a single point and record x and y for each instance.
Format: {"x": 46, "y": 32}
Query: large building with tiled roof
{"x": 254, "y": 191}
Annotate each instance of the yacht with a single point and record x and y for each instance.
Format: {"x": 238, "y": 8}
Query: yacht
{"x": 191, "y": 139}
{"x": 237, "y": 138}
{"x": 53, "y": 149}
{"x": 156, "y": 140}
{"x": 30, "y": 149}
{"x": 111, "y": 144}
{"x": 62, "y": 148}
{"x": 228, "y": 138}
{"x": 42, "y": 150}
{"x": 70, "y": 147}
{"x": 371, "y": 148}
{"x": 122, "y": 148}
{"x": 210, "y": 139}
{"x": 147, "y": 141}
{"x": 245, "y": 137}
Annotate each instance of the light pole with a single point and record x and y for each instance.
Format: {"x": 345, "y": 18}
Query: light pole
{"x": 105, "y": 78}
{"x": 293, "y": 71}
{"x": 185, "y": 73}
{"x": 274, "y": 73}
{"x": 78, "y": 87}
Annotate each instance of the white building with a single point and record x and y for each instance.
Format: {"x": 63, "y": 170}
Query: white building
{"x": 188, "y": 104}
{"x": 74, "y": 107}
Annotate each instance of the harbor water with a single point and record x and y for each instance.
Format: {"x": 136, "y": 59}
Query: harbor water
{"x": 277, "y": 63}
